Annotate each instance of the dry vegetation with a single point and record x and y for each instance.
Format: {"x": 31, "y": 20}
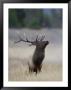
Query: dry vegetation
{"x": 21, "y": 53}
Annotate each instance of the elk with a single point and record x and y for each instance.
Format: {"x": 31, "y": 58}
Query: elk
{"x": 39, "y": 53}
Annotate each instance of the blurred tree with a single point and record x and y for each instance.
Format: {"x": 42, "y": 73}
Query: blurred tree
{"x": 35, "y": 18}
{"x": 13, "y": 21}
{"x": 20, "y": 16}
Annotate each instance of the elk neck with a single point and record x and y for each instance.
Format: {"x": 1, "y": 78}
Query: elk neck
{"x": 39, "y": 49}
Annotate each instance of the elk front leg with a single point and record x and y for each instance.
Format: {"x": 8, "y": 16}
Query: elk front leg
{"x": 39, "y": 68}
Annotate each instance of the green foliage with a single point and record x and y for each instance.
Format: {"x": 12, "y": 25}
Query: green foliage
{"x": 20, "y": 14}
{"x": 34, "y": 23}
{"x": 47, "y": 21}
{"x": 16, "y": 17}
{"x": 13, "y": 21}
{"x": 34, "y": 18}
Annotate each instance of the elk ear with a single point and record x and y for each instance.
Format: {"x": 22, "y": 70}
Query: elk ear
{"x": 47, "y": 42}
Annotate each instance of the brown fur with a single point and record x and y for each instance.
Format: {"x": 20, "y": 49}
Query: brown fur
{"x": 38, "y": 57}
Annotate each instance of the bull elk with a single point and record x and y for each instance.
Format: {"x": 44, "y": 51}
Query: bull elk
{"x": 39, "y": 53}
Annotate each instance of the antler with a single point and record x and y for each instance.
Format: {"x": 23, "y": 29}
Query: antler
{"x": 38, "y": 40}
{"x": 42, "y": 38}
{"x": 20, "y": 39}
{"x": 32, "y": 42}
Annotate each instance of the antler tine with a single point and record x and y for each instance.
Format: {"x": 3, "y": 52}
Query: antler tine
{"x": 37, "y": 38}
{"x": 17, "y": 41}
{"x": 42, "y": 38}
{"x": 27, "y": 39}
{"x": 20, "y": 39}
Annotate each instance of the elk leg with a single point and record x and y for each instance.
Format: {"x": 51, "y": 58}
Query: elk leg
{"x": 39, "y": 68}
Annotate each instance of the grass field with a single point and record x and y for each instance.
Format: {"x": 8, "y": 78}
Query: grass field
{"x": 21, "y": 53}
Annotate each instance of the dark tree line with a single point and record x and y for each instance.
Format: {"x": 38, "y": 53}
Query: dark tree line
{"x": 35, "y": 18}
